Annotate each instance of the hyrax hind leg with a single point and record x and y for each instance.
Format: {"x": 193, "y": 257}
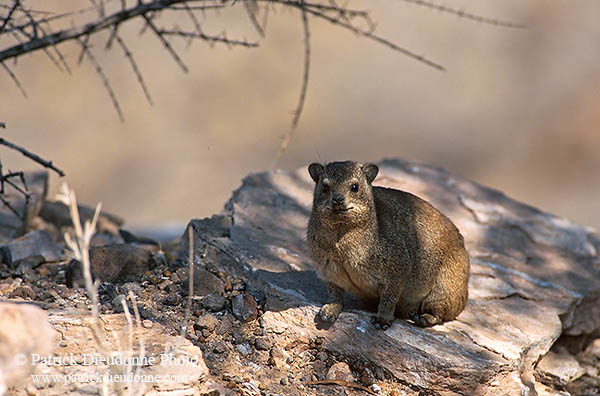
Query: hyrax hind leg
{"x": 438, "y": 306}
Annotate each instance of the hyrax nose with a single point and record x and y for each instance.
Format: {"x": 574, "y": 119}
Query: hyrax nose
{"x": 337, "y": 199}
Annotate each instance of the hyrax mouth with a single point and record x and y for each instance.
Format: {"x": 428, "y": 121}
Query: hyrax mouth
{"x": 340, "y": 210}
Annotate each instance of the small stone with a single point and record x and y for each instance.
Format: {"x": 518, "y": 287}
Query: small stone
{"x": 208, "y": 322}
{"x": 375, "y": 388}
{"x": 172, "y": 300}
{"x": 283, "y": 381}
{"x": 219, "y": 347}
{"x": 340, "y": 371}
{"x": 244, "y": 307}
{"x": 262, "y": 386}
{"x": 117, "y": 303}
{"x": 213, "y": 302}
{"x": 244, "y": 349}
{"x": 262, "y": 344}
{"x": 147, "y": 324}
{"x": 24, "y": 291}
{"x": 559, "y": 369}
{"x": 204, "y": 282}
{"x": 31, "y": 390}
{"x": 594, "y": 348}
{"x": 225, "y": 327}
{"x": 133, "y": 287}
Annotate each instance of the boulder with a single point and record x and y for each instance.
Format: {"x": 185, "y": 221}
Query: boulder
{"x": 534, "y": 277}
{"x": 25, "y": 336}
{"x": 112, "y": 263}
{"x": 33, "y": 245}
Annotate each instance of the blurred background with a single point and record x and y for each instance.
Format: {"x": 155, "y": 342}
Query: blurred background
{"x": 516, "y": 109}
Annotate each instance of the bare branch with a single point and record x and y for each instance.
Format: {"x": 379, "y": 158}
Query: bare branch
{"x": 166, "y": 44}
{"x": 14, "y": 78}
{"x": 104, "y": 78}
{"x": 252, "y": 11}
{"x": 79, "y": 31}
{"x": 466, "y": 15}
{"x": 10, "y": 14}
{"x": 35, "y": 157}
{"x": 212, "y": 39}
{"x": 370, "y": 35}
{"x": 135, "y": 68}
{"x": 288, "y": 138}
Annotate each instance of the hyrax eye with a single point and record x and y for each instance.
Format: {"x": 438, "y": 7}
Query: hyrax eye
{"x": 354, "y": 187}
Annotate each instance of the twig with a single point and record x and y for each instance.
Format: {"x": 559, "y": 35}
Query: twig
{"x": 10, "y": 14}
{"x": 466, "y": 15}
{"x": 381, "y": 40}
{"x": 190, "y": 281}
{"x": 9, "y": 206}
{"x": 80, "y": 248}
{"x": 14, "y": 78}
{"x": 288, "y": 138}
{"x": 36, "y": 158}
{"x": 341, "y": 383}
{"x": 104, "y": 78}
{"x": 135, "y": 68}
{"x": 208, "y": 38}
{"x": 166, "y": 44}
{"x": 252, "y": 11}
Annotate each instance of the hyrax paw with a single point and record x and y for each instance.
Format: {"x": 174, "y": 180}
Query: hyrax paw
{"x": 382, "y": 323}
{"x": 330, "y": 312}
{"x": 425, "y": 319}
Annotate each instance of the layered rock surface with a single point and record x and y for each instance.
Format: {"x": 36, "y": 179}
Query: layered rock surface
{"x": 534, "y": 276}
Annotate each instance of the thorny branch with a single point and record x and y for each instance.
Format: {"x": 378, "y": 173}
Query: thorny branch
{"x": 32, "y": 156}
{"x": 24, "y": 30}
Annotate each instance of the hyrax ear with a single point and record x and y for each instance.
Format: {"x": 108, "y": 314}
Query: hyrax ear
{"x": 371, "y": 171}
{"x": 316, "y": 170}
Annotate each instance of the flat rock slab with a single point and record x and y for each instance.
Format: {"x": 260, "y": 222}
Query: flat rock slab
{"x": 534, "y": 276}
{"x": 170, "y": 365}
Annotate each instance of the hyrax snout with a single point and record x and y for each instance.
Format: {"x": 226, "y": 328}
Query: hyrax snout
{"x": 384, "y": 245}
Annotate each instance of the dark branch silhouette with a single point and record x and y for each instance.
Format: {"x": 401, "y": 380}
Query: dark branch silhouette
{"x": 24, "y": 30}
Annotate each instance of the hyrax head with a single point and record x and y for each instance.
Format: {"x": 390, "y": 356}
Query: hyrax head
{"x": 343, "y": 191}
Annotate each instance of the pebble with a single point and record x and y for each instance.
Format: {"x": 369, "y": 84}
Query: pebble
{"x": 172, "y": 300}
{"x": 375, "y": 388}
{"x": 24, "y": 291}
{"x": 117, "y": 303}
{"x": 219, "y": 347}
{"x": 244, "y": 307}
{"x": 262, "y": 344}
{"x": 283, "y": 381}
{"x": 146, "y": 323}
{"x": 244, "y": 349}
{"x": 213, "y": 302}
{"x": 340, "y": 371}
{"x": 208, "y": 322}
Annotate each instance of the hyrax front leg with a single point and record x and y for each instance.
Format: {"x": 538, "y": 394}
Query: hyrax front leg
{"x": 390, "y": 294}
{"x": 330, "y": 311}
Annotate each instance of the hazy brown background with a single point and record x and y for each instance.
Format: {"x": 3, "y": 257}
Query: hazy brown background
{"x": 518, "y": 110}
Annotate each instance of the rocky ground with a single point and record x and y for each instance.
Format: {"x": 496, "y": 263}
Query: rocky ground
{"x": 250, "y": 327}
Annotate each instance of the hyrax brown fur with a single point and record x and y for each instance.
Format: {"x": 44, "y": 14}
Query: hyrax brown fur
{"x": 384, "y": 245}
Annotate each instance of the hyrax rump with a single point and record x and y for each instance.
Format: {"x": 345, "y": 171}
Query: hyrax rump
{"x": 386, "y": 246}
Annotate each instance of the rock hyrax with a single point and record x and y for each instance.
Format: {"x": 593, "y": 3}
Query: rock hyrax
{"x": 386, "y": 246}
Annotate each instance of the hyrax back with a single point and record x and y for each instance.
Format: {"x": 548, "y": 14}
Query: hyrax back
{"x": 384, "y": 245}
